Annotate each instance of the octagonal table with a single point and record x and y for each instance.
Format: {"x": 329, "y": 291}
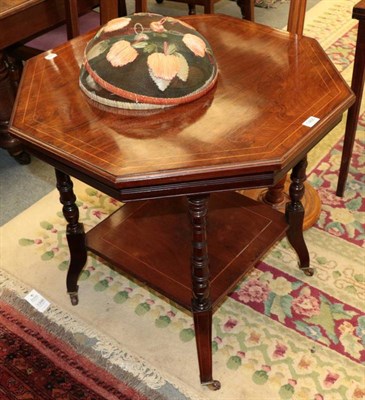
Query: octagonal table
{"x": 277, "y": 96}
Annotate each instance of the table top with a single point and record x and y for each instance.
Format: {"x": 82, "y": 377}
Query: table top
{"x": 43, "y": 14}
{"x": 270, "y": 83}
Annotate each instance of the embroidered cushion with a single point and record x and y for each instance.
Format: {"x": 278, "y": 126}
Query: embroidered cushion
{"x": 147, "y": 61}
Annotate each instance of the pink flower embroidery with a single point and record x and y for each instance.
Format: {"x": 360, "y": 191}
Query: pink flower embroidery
{"x": 335, "y": 232}
{"x": 98, "y": 214}
{"x": 218, "y": 340}
{"x": 230, "y": 324}
{"x": 328, "y": 198}
{"x": 330, "y": 379}
{"x": 306, "y": 305}
{"x": 113, "y": 201}
{"x": 157, "y": 26}
{"x": 121, "y": 53}
{"x": 195, "y": 44}
{"x": 254, "y": 290}
{"x": 280, "y": 350}
{"x": 117, "y": 23}
{"x": 266, "y": 368}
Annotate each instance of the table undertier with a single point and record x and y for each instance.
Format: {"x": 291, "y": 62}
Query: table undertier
{"x": 151, "y": 241}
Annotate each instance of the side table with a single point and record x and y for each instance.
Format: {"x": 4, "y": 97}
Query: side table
{"x": 183, "y": 230}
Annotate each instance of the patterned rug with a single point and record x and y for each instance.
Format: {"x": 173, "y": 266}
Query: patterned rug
{"x": 36, "y": 365}
{"x": 280, "y": 335}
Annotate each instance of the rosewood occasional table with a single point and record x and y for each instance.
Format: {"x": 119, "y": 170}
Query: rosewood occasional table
{"x": 184, "y": 231}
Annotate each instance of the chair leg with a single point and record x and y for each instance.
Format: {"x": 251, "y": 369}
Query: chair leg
{"x": 109, "y": 9}
{"x": 122, "y": 8}
{"x": 209, "y": 7}
{"x": 141, "y": 6}
{"x": 296, "y": 16}
{"x": 72, "y": 19}
{"x": 357, "y": 86}
{"x": 192, "y": 9}
{"x": 247, "y": 9}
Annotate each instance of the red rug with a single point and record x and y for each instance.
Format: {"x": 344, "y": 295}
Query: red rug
{"x": 34, "y": 364}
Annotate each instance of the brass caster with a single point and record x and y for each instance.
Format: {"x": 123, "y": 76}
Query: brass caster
{"x": 213, "y": 385}
{"x": 308, "y": 271}
{"x": 74, "y": 297}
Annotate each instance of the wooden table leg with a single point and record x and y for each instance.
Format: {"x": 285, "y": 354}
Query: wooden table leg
{"x": 201, "y": 303}
{"x": 75, "y": 234}
{"x": 295, "y": 216}
{"x": 357, "y": 85}
{"x": 278, "y": 195}
{"x": 7, "y": 99}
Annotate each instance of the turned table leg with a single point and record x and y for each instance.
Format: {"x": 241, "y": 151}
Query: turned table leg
{"x": 294, "y": 212}
{"x": 201, "y": 303}
{"x": 75, "y": 234}
{"x": 7, "y": 99}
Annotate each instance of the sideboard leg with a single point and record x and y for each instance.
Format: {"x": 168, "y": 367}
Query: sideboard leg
{"x": 201, "y": 303}
{"x": 75, "y": 234}
{"x": 295, "y": 216}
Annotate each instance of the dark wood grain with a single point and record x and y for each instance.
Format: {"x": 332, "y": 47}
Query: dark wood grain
{"x": 248, "y": 123}
{"x": 154, "y": 250}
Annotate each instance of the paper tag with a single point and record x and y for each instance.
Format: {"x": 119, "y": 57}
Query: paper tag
{"x": 311, "y": 121}
{"x": 37, "y": 301}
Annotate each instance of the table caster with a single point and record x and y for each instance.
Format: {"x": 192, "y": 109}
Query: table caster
{"x": 213, "y": 385}
{"x": 74, "y": 297}
{"x": 308, "y": 271}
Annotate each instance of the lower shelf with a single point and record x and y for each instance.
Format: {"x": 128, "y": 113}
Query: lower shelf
{"x": 151, "y": 241}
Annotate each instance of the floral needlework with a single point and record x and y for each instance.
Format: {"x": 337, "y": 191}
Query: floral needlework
{"x": 147, "y": 61}
{"x": 343, "y": 217}
{"x": 306, "y": 310}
